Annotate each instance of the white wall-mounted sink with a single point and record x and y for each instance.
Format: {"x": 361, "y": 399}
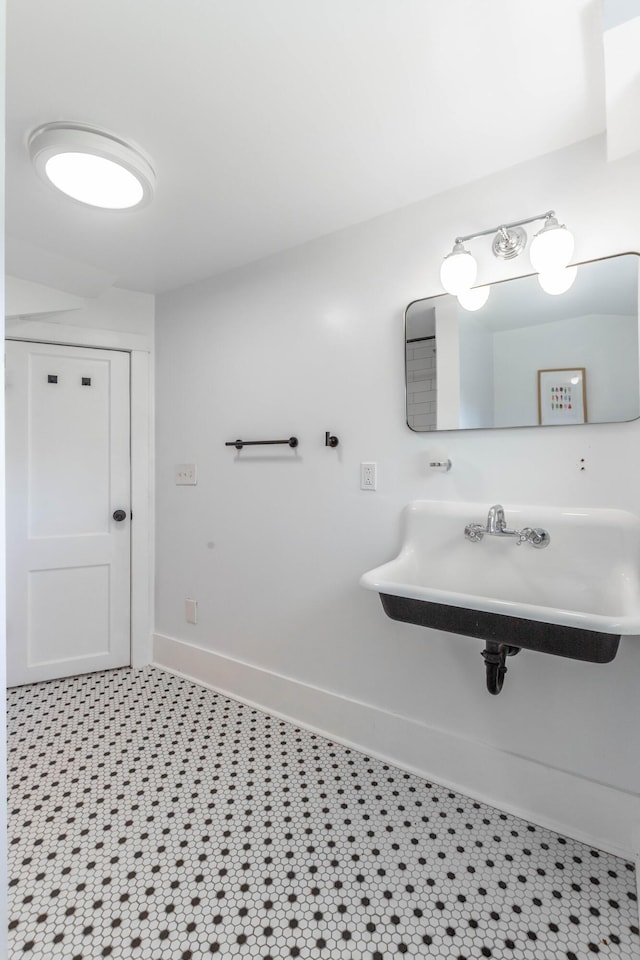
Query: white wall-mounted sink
{"x": 587, "y": 579}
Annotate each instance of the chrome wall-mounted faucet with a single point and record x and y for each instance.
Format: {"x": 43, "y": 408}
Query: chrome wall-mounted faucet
{"x": 496, "y": 526}
{"x": 496, "y": 523}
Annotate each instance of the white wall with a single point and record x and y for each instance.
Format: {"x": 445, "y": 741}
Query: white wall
{"x": 114, "y": 310}
{"x": 476, "y": 373}
{"x": 447, "y": 363}
{"x": 272, "y": 542}
{"x": 606, "y": 346}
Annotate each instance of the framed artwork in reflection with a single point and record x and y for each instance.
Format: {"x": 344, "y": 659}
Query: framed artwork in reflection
{"x": 562, "y": 395}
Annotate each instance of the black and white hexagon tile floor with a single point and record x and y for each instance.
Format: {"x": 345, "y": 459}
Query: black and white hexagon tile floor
{"x": 151, "y": 818}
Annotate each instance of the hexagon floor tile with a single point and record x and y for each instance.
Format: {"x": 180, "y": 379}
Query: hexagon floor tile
{"x": 151, "y": 818}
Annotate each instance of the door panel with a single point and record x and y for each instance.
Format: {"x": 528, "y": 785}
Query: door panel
{"x": 69, "y": 446}
{"x": 68, "y": 469}
{"x": 76, "y": 599}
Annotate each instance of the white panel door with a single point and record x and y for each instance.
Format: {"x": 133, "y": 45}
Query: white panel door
{"x": 68, "y": 472}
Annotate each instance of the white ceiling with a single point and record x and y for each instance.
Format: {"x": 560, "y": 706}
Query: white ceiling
{"x": 272, "y": 122}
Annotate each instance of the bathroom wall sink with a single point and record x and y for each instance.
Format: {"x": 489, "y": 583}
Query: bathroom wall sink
{"x": 575, "y": 598}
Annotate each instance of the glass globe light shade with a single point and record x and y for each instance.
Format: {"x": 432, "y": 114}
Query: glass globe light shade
{"x": 458, "y": 271}
{"x": 475, "y": 298}
{"x": 559, "y": 281}
{"x": 94, "y": 180}
{"x": 552, "y": 247}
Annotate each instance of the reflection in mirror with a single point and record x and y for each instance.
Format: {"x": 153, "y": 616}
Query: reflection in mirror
{"x": 475, "y": 369}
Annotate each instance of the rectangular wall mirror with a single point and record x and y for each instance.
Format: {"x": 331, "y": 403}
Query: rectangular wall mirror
{"x": 527, "y": 358}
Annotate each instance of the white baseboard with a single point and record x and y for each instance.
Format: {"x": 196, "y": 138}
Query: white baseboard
{"x": 588, "y": 811}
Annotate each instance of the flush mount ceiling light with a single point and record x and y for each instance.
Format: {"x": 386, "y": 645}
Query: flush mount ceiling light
{"x": 550, "y": 252}
{"x": 92, "y": 166}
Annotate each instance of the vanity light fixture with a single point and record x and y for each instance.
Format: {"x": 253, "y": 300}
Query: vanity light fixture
{"x": 475, "y": 298}
{"x": 550, "y": 252}
{"x": 551, "y": 247}
{"x": 91, "y": 165}
{"x": 459, "y": 269}
{"x": 558, "y": 281}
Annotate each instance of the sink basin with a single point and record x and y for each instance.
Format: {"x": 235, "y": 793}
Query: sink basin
{"x": 574, "y": 599}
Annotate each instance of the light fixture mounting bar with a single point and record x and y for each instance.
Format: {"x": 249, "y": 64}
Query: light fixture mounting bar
{"x": 505, "y": 226}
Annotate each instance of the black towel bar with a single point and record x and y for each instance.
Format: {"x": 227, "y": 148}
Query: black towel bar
{"x": 239, "y": 444}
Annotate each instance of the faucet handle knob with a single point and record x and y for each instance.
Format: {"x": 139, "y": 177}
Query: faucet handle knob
{"x": 536, "y": 536}
{"x": 474, "y": 532}
{"x": 540, "y": 538}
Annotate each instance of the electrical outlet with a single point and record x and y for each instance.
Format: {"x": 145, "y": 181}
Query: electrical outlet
{"x": 186, "y": 474}
{"x": 191, "y": 611}
{"x": 368, "y": 476}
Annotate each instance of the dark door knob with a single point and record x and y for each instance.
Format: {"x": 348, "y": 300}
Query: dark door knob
{"x": 119, "y": 515}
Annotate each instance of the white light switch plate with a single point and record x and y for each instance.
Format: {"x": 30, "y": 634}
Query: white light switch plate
{"x": 191, "y": 611}
{"x": 186, "y": 474}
